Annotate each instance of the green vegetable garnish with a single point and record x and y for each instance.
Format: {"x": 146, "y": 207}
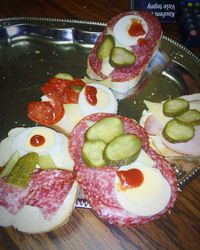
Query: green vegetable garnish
{"x": 21, "y": 173}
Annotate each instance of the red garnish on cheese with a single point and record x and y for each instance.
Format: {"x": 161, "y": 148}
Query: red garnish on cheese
{"x": 1, "y": 169}
{"x": 130, "y": 178}
{"x": 37, "y": 140}
{"x": 141, "y": 42}
{"x": 136, "y": 28}
{"x": 91, "y": 94}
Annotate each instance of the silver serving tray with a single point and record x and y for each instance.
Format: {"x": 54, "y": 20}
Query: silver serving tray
{"x": 34, "y": 49}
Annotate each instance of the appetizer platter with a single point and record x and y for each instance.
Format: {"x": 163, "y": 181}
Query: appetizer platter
{"x": 85, "y": 109}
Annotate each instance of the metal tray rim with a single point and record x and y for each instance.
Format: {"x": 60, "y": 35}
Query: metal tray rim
{"x": 24, "y": 19}
{"x": 97, "y": 23}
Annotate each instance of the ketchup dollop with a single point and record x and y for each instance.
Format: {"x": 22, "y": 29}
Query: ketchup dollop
{"x": 37, "y": 140}
{"x": 1, "y": 169}
{"x": 130, "y": 178}
{"x": 91, "y": 94}
{"x": 142, "y": 42}
{"x": 136, "y": 28}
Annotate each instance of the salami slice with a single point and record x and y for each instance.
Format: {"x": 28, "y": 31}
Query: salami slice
{"x": 98, "y": 185}
{"x": 47, "y": 190}
{"x": 63, "y": 88}
{"x": 46, "y": 113}
{"x": 59, "y": 92}
{"x": 12, "y": 198}
{"x": 143, "y": 50}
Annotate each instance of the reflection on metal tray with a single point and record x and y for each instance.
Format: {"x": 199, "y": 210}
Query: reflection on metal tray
{"x": 34, "y": 49}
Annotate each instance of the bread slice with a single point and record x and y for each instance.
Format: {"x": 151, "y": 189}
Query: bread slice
{"x": 71, "y": 117}
{"x": 30, "y": 219}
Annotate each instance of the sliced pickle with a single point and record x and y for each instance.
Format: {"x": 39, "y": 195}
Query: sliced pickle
{"x": 10, "y": 164}
{"x": 105, "y": 130}
{"x": 121, "y": 57}
{"x": 21, "y": 173}
{"x": 64, "y": 76}
{"x": 190, "y": 117}
{"x": 122, "y": 150}
{"x": 46, "y": 162}
{"x": 105, "y": 47}
{"x": 92, "y": 153}
{"x": 175, "y": 107}
{"x": 77, "y": 88}
{"x": 176, "y": 132}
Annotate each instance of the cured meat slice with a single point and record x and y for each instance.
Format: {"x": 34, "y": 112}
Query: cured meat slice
{"x": 12, "y": 198}
{"x": 46, "y": 113}
{"x": 47, "y": 190}
{"x": 155, "y": 128}
{"x": 57, "y": 92}
{"x": 98, "y": 185}
{"x": 63, "y": 88}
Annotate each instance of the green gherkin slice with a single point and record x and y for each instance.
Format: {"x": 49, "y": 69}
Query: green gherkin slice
{"x": 122, "y": 150}
{"x": 190, "y": 117}
{"x": 46, "y": 162}
{"x": 21, "y": 173}
{"x": 105, "y": 130}
{"x": 10, "y": 164}
{"x": 77, "y": 88}
{"x": 92, "y": 153}
{"x": 121, "y": 57}
{"x": 105, "y": 47}
{"x": 175, "y": 107}
{"x": 176, "y": 132}
{"x": 64, "y": 76}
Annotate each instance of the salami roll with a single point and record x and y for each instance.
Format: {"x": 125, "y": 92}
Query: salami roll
{"x": 98, "y": 184}
{"x": 143, "y": 45}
